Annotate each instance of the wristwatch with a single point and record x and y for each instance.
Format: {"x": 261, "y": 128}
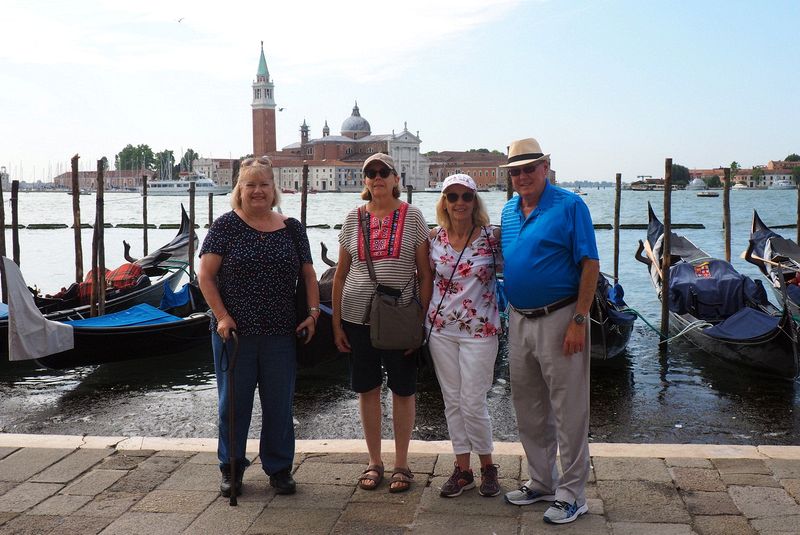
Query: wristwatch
{"x": 579, "y": 319}
{"x": 313, "y": 309}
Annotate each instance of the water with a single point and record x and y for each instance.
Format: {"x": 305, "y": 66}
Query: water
{"x": 683, "y": 396}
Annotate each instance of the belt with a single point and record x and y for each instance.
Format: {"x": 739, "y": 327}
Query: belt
{"x": 531, "y": 313}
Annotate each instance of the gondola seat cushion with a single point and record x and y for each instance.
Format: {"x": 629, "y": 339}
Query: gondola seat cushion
{"x": 746, "y": 324}
{"x": 85, "y": 288}
{"x": 711, "y": 290}
{"x": 124, "y": 277}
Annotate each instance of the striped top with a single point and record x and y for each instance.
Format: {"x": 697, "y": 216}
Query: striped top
{"x": 393, "y": 244}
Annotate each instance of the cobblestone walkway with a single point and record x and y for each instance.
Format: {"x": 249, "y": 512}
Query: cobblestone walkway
{"x": 113, "y": 485}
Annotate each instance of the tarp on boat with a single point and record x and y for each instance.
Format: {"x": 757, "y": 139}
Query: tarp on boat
{"x": 142, "y": 314}
{"x": 3, "y": 311}
{"x": 746, "y": 324}
{"x": 30, "y": 335}
{"x": 711, "y": 290}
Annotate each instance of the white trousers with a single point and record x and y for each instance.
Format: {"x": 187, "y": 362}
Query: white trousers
{"x": 465, "y": 370}
{"x": 550, "y": 392}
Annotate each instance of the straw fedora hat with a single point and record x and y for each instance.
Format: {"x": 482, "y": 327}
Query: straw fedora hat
{"x": 525, "y": 152}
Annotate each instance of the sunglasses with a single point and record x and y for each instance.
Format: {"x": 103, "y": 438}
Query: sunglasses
{"x": 384, "y": 172}
{"x": 527, "y": 170}
{"x": 467, "y": 196}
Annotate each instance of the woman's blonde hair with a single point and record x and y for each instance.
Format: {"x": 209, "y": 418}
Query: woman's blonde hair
{"x": 260, "y": 167}
{"x": 479, "y": 216}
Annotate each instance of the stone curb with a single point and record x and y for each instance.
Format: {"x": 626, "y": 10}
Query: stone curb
{"x": 417, "y": 446}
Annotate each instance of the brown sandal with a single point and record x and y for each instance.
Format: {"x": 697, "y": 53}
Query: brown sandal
{"x": 374, "y": 479}
{"x": 401, "y": 480}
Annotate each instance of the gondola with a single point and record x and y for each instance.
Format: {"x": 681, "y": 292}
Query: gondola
{"x": 719, "y": 310}
{"x": 321, "y": 348}
{"x": 778, "y": 259}
{"x": 612, "y": 322}
{"x": 142, "y": 330}
{"x": 164, "y": 266}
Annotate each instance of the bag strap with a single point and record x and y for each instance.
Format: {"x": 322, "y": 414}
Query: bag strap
{"x": 364, "y": 220}
{"x": 449, "y": 282}
{"x": 295, "y": 240}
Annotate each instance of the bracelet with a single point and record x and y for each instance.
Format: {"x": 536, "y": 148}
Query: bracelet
{"x": 225, "y": 315}
{"x": 313, "y": 318}
{"x": 314, "y": 309}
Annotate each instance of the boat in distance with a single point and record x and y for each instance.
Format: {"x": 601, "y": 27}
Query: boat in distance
{"x": 717, "y": 309}
{"x": 202, "y": 184}
{"x": 783, "y": 184}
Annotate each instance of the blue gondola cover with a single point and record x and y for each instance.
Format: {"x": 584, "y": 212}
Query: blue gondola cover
{"x": 746, "y": 324}
{"x": 172, "y": 299}
{"x": 711, "y": 290}
{"x": 3, "y": 310}
{"x": 143, "y": 314}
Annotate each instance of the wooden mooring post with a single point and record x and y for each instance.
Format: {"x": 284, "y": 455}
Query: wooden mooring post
{"x": 726, "y": 211}
{"x": 304, "y": 195}
{"x": 666, "y": 248}
{"x": 192, "y": 193}
{"x": 2, "y": 226}
{"x": 76, "y": 219}
{"x": 98, "y": 307}
{"x": 509, "y": 186}
{"x": 409, "y": 193}
{"x": 144, "y": 215}
{"x": 15, "y": 221}
{"x": 617, "y": 200}
{"x": 210, "y": 209}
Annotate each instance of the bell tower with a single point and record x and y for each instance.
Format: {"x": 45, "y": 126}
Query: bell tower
{"x": 263, "y": 110}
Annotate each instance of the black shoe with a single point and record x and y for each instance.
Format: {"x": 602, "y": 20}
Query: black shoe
{"x": 283, "y": 482}
{"x": 225, "y": 484}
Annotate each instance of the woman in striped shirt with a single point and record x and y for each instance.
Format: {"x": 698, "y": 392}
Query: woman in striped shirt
{"x": 398, "y": 247}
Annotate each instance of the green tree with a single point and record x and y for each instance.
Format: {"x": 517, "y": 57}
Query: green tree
{"x": 105, "y": 163}
{"x": 734, "y": 170}
{"x": 796, "y": 174}
{"x": 165, "y": 163}
{"x": 792, "y": 158}
{"x": 680, "y": 174}
{"x": 758, "y": 175}
{"x": 187, "y": 161}
{"x": 713, "y": 182}
{"x": 138, "y": 157}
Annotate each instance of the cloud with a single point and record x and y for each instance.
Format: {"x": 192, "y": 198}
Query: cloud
{"x": 357, "y": 39}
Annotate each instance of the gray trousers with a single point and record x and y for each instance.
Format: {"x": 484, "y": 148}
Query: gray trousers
{"x": 550, "y": 392}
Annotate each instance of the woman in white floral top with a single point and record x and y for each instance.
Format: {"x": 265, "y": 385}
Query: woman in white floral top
{"x": 464, "y": 321}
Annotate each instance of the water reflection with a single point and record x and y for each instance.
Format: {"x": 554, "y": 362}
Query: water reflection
{"x": 682, "y": 396}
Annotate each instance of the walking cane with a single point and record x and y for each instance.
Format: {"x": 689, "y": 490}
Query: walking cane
{"x": 231, "y": 413}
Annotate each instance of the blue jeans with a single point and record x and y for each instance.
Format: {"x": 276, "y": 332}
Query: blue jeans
{"x": 269, "y": 363}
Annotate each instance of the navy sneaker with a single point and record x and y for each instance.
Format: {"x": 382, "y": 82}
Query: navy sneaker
{"x": 526, "y": 496}
{"x": 564, "y": 512}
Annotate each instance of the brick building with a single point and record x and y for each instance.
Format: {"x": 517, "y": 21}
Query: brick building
{"x": 334, "y": 160}
{"x": 120, "y": 180}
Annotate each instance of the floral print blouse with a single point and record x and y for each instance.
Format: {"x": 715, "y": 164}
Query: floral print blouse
{"x": 469, "y": 306}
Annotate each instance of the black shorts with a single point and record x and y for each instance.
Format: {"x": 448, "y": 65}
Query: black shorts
{"x": 366, "y": 372}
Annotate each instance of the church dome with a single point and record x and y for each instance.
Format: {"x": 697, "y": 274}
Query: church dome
{"x": 355, "y": 124}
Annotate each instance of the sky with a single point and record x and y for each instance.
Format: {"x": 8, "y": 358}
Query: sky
{"x": 606, "y": 86}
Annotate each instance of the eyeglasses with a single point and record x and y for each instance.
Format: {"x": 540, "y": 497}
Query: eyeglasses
{"x": 467, "y": 196}
{"x": 384, "y": 172}
{"x": 527, "y": 170}
{"x": 261, "y": 160}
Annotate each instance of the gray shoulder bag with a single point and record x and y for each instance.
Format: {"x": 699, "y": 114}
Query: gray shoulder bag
{"x": 391, "y": 325}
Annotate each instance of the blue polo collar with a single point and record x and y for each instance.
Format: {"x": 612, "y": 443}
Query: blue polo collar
{"x": 545, "y": 201}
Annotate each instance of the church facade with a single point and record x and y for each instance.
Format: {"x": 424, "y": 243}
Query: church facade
{"x": 334, "y": 161}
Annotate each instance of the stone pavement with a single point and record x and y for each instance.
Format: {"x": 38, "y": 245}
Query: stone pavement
{"x": 117, "y": 485}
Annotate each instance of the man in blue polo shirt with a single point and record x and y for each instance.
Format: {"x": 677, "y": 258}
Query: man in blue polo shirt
{"x": 551, "y": 269}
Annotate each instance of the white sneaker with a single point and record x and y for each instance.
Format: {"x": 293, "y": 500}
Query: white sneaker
{"x": 526, "y": 496}
{"x": 564, "y": 512}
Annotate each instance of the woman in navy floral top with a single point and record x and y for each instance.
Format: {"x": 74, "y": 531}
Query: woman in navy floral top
{"x": 249, "y": 266}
